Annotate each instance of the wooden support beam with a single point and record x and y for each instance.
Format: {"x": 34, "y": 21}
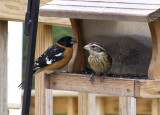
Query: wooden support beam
{"x": 147, "y": 88}
{"x": 109, "y": 86}
{"x": 154, "y": 68}
{"x": 86, "y": 102}
{"x": 81, "y": 83}
{"x": 43, "y": 97}
{"x": 16, "y": 9}
{"x": 3, "y": 67}
{"x": 127, "y": 106}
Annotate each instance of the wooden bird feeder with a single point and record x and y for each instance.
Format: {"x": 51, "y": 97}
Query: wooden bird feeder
{"x": 128, "y": 30}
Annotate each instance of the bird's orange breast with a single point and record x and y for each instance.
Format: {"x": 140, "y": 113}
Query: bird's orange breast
{"x": 67, "y": 55}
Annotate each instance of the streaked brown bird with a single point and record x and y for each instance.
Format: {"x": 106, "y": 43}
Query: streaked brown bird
{"x": 99, "y": 60}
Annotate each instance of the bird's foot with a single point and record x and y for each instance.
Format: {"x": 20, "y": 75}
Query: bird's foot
{"x": 52, "y": 71}
{"x": 101, "y": 77}
{"x": 91, "y": 78}
{"x": 58, "y": 71}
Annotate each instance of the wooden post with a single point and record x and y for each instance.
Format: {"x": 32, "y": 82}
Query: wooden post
{"x": 3, "y": 67}
{"x": 100, "y": 104}
{"x": 43, "y": 97}
{"x": 155, "y": 106}
{"x": 127, "y": 106}
{"x": 154, "y": 68}
{"x": 86, "y": 104}
{"x": 71, "y": 106}
{"x": 77, "y": 64}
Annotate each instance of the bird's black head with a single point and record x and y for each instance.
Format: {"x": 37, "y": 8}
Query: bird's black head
{"x": 67, "y": 41}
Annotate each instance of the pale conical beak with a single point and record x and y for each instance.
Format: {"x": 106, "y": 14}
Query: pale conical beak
{"x": 73, "y": 41}
{"x": 86, "y": 47}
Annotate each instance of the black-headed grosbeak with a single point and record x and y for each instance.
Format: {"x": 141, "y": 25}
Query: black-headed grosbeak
{"x": 99, "y": 60}
{"x": 55, "y": 57}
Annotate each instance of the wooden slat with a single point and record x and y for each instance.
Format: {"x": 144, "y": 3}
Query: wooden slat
{"x": 109, "y": 86}
{"x": 155, "y": 106}
{"x": 3, "y": 67}
{"x": 105, "y": 5}
{"x": 86, "y": 104}
{"x": 147, "y": 88}
{"x": 127, "y": 106}
{"x": 81, "y": 83}
{"x": 16, "y": 9}
{"x": 71, "y": 106}
{"x": 43, "y": 104}
{"x": 103, "y": 10}
{"x": 100, "y": 104}
{"x": 122, "y": 1}
{"x": 14, "y": 106}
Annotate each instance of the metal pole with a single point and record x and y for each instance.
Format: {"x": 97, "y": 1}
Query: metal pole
{"x": 31, "y": 31}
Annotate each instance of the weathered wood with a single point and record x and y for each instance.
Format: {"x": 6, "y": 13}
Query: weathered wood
{"x": 71, "y": 106}
{"x": 147, "y": 88}
{"x": 154, "y": 68}
{"x": 103, "y": 10}
{"x": 81, "y": 83}
{"x": 109, "y": 86}
{"x": 155, "y": 106}
{"x": 86, "y": 104}
{"x": 13, "y": 106}
{"x": 3, "y": 67}
{"x": 16, "y": 9}
{"x": 43, "y": 104}
{"x": 76, "y": 64}
{"x": 100, "y": 104}
{"x": 127, "y": 106}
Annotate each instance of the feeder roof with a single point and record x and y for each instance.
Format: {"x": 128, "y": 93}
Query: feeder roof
{"x": 122, "y": 10}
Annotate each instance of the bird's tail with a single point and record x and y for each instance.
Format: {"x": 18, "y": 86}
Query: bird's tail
{"x": 22, "y": 84}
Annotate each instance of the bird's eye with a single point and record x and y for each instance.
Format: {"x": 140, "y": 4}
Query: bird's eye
{"x": 93, "y": 46}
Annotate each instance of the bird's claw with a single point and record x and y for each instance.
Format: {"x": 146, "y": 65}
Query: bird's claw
{"x": 101, "y": 77}
{"x": 91, "y": 78}
{"x": 58, "y": 71}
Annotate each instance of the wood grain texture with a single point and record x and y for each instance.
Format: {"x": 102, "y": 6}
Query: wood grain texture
{"x": 43, "y": 97}
{"x": 76, "y": 64}
{"x": 109, "y": 86}
{"x": 127, "y": 106}
{"x": 3, "y": 67}
{"x": 86, "y": 104}
{"x": 102, "y": 9}
{"x": 155, "y": 106}
{"x": 16, "y": 9}
{"x": 71, "y": 106}
{"x": 147, "y": 88}
{"x": 100, "y": 105}
{"x": 81, "y": 83}
{"x": 154, "y": 68}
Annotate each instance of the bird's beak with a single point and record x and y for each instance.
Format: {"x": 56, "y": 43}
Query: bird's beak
{"x": 73, "y": 41}
{"x": 86, "y": 47}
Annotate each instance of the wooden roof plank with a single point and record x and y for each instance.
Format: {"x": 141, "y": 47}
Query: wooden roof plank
{"x": 95, "y": 13}
{"x": 156, "y": 2}
{"x": 105, "y": 5}
{"x": 121, "y": 10}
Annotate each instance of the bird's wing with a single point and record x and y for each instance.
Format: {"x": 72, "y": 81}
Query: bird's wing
{"x": 51, "y": 55}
